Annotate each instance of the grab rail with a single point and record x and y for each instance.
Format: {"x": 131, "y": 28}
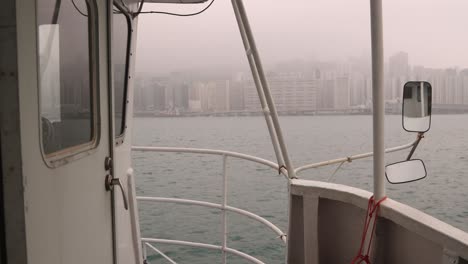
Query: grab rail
{"x": 223, "y": 207}
{"x": 203, "y": 245}
{"x": 217, "y": 206}
{"x": 213, "y": 152}
{"x": 351, "y": 158}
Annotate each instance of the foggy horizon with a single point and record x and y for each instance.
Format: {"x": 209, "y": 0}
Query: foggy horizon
{"x": 302, "y": 31}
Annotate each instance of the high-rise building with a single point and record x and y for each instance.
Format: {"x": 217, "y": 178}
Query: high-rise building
{"x": 398, "y": 65}
{"x": 290, "y": 91}
{"x": 236, "y": 96}
{"x": 463, "y": 82}
{"x": 159, "y": 95}
{"x": 357, "y": 89}
{"x": 341, "y": 93}
{"x": 397, "y": 75}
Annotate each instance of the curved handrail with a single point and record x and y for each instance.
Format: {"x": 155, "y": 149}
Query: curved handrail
{"x": 223, "y": 207}
{"x": 212, "y": 152}
{"x": 202, "y": 245}
{"x": 253, "y": 216}
{"x": 351, "y": 158}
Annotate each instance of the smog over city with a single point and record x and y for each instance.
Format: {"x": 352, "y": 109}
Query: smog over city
{"x": 316, "y": 56}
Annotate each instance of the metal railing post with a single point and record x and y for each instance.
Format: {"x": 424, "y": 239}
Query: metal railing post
{"x": 223, "y": 213}
{"x": 144, "y": 252}
{"x": 378, "y": 105}
{"x": 259, "y": 75}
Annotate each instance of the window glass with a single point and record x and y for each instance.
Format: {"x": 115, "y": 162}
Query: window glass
{"x": 65, "y": 76}
{"x": 120, "y": 48}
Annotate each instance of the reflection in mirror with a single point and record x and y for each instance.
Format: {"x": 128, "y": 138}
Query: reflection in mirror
{"x": 417, "y": 104}
{"x": 405, "y": 171}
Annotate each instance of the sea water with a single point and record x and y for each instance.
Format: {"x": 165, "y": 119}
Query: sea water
{"x": 261, "y": 190}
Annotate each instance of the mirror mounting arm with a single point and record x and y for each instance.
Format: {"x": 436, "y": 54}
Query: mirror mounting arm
{"x": 420, "y": 136}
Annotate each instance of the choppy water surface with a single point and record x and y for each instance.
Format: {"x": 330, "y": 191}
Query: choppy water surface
{"x": 260, "y": 190}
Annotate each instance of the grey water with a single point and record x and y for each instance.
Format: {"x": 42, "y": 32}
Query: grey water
{"x": 261, "y": 190}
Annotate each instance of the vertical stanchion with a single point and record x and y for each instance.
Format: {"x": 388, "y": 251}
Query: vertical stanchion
{"x": 378, "y": 116}
{"x": 223, "y": 214}
{"x": 378, "y": 105}
{"x": 145, "y": 253}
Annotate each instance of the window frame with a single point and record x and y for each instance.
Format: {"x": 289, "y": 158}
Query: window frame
{"x": 119, "y": 139}
{"x": 64, "y": 156}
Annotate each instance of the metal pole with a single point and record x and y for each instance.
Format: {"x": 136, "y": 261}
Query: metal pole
{"x": 258, "y": 86}
{"x": 223, "y": 214}
{"x": 420, "y": 136}
{"x": 378, "y": 98}
{"x": 251, "y": 49}
{"x": 145, "y": 253}
{"x": 422, "y": 100}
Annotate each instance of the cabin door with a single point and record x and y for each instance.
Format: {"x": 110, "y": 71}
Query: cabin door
{"x": 66, "y": 132}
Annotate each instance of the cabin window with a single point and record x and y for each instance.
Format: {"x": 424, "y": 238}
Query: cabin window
{"x": 121, "y": 36}
{"x": 67, "y": 86}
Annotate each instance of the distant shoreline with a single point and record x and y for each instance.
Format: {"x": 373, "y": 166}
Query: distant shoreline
{"x": 157, "y": 115}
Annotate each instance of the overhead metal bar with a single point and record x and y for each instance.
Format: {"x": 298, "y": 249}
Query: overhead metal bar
{"x": 258, "y": 86}
{"x": 378, "y": 105}
{"x": 263, "y": 89}
{"x": 176, "y": 1}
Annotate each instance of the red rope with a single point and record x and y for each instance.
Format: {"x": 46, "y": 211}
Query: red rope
{"x": 372, "y": 208}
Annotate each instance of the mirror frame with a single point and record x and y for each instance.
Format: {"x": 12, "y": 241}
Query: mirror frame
{"x": 403, "y": 109}
{"x": 424, "y": 166}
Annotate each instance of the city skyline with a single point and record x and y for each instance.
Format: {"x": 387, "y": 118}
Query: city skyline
{"x": 295, "y": 87}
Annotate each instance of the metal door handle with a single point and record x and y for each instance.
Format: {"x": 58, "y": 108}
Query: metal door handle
{"x": 111, "y": 182}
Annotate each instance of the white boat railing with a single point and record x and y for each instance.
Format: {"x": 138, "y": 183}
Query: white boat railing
{"x": 224, "y": 207}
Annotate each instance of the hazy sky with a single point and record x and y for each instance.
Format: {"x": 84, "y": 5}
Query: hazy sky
{"x": 433, "y": 32}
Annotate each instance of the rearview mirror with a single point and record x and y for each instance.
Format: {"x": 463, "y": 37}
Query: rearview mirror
{"x": 417, "y": 106}
{"x": 405, "y": 171}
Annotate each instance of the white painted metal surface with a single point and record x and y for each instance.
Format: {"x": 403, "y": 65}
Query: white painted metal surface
{"x": 202, "y": 245}
{"x": 129, "y": 239}
{"x": 223, "y": 209}
{"x": 253, "y": 216}
{"x": 378, "y": 103}
{"x": 67, "y": 210}
{"x": 413, "y": 220}
{"x": 127, "y": 222}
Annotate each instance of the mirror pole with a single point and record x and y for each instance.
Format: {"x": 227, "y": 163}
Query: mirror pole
{"x": 420, "y": 136}
{"x": 378, "y": 104}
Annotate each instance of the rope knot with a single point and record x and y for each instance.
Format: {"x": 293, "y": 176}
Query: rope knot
{"x": 281, "y": 167}
{"x": 372, "y": 207}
